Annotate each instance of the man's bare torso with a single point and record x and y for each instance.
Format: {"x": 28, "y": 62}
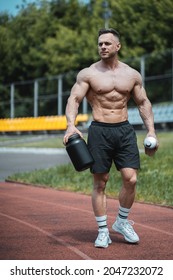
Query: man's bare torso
{"x": 109, "y": 91}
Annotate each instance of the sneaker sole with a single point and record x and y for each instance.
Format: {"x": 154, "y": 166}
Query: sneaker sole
{"x": 125, "y": 237}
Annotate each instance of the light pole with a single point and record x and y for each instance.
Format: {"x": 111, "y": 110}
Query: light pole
{"x": 107, "y": 13}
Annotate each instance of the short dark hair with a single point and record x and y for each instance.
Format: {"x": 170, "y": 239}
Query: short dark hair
{"x": 109, "y": 30}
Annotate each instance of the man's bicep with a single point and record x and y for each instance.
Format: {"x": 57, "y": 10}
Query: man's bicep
{"x": 79, "y": 90}
{"x": 139, "y": 94}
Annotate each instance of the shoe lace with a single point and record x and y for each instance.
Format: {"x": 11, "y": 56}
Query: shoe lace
{"x": 102, "y": 235}
{"x": 128, "y": 226}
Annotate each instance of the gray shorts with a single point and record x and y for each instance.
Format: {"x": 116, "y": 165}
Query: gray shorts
{"x": 116, "y": 143}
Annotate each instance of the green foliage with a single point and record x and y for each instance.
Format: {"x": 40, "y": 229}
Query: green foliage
{"x": 144, "y": 25}
{"x": 52, "y": 37}
{"x": 61, "y": 50}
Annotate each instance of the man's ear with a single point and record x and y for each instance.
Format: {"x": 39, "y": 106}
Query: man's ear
{"x": 118, "y": 46}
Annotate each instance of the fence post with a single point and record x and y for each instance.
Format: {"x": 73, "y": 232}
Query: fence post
{"x": 59, "y": 99}
{"x": 12, "y": 101}
{"x": 142, "y": 68}
{"x": 35, "y": 98}
{"x": 84, "y": 106}
{"x": 172, "y": 74}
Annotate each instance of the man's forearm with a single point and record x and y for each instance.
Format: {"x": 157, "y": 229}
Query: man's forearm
{"x": 147, "y": 116}
{"x": 71, "y": 113}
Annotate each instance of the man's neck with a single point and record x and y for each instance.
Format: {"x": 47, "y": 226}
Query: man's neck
{"x": 110, "y": 63}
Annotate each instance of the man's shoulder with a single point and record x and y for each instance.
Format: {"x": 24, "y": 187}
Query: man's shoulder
{"x": 87, "y": 72}
{"x": 130, "y": 70}
{"x": 127, "y": 67}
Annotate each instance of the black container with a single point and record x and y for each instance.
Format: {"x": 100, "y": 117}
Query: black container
{"x": 78, "y": 152}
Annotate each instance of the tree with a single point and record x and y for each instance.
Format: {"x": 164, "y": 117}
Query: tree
{"x": 52, "y": 37}
{"x": 144, "y": 25}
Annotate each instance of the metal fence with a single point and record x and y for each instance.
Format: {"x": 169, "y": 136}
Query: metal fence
{"x": 48, "y": 96}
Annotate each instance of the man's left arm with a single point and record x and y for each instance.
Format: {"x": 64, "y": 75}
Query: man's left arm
{"x": 146, "y": 113}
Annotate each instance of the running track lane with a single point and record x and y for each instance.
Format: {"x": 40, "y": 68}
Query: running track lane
{"x": 42, "y": 223}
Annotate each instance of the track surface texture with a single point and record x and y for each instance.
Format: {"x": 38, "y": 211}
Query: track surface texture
{"x": 45, "y": 224}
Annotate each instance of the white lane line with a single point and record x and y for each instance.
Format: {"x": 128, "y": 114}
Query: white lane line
{"x": 155, "y": 229}
{"x": 45, "y": 151}
{"x": 88, "y": 211}
{"x": 48, "y": 202}
{"x": 61, "y": 241}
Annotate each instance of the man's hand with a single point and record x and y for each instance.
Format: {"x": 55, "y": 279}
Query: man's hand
{"x": 70, "y": 131}
{"x": 151, "y": 152}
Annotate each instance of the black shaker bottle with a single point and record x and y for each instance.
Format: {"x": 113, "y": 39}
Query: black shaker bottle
{"x": 78, "y": 152}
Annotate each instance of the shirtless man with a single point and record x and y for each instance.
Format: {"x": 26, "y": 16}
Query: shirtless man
{"x": 108, "y": 85}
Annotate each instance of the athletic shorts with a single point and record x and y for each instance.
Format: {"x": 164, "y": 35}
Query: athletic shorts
{"x": 110, "y": 143}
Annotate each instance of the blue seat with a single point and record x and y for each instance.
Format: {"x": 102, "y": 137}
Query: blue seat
{"x": 162, "y": 114}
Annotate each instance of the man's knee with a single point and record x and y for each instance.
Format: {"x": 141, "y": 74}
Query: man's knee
{"x": 100, "y": 181}
{"x": 132, "y": 180}
{"x": 129, "y": 177}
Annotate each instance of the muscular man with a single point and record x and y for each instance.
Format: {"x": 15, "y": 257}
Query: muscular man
{"x": 108, "y": 85}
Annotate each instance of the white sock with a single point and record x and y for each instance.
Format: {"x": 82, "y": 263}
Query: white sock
{"x": 102, "y": 222}
{"x": 123, "y": 212}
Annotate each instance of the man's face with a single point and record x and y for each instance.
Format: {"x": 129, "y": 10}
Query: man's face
{"x": 108, "y": 45}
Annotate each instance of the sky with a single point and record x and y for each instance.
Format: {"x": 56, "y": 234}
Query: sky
{"x": 10, "y": 5}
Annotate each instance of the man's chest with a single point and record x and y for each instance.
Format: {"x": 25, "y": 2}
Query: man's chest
{"x": 107, "y": 82}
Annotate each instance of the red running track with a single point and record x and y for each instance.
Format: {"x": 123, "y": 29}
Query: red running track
{"x": 47, "y": 224}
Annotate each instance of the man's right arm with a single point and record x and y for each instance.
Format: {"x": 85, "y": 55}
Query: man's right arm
{"x": 78, "y": 92}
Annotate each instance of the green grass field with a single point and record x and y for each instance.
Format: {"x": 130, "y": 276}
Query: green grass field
{"x": 155, "y": 179}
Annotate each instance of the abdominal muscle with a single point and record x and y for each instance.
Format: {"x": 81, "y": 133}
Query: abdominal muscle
{"x": 109, "y": 116}
{"x": 109, "y": 107}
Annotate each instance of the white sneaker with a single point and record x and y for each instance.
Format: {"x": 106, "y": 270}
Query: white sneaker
{"x": 126, "y": 229}
{"x": 103, "y": 239}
